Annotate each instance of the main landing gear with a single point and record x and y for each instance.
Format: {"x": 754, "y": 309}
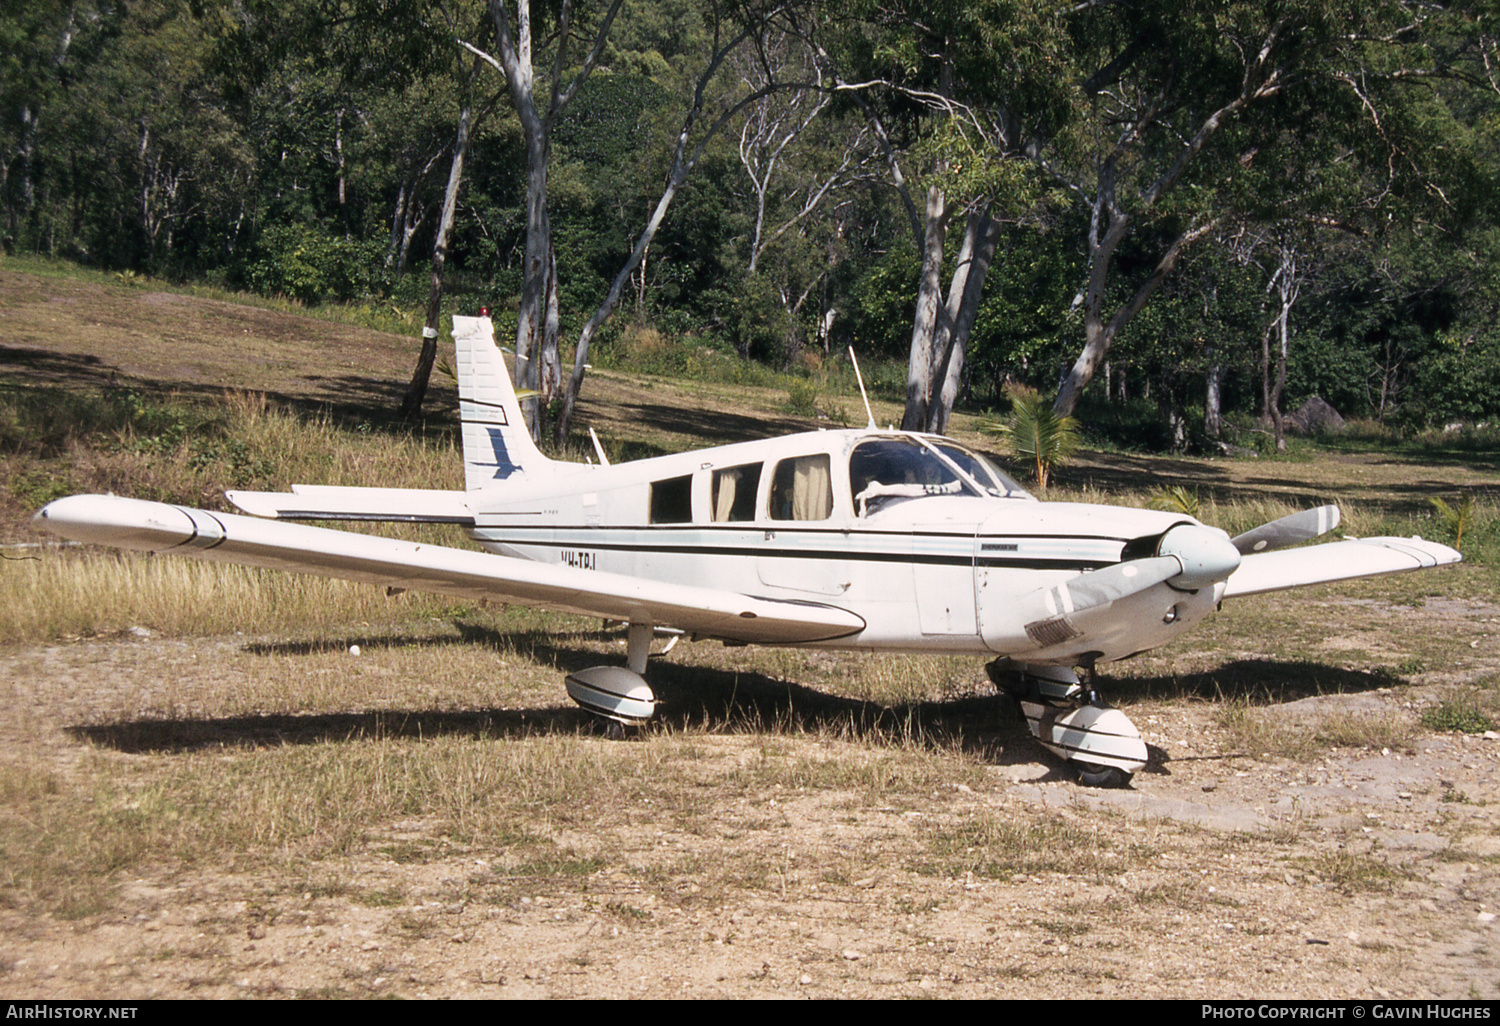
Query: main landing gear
{"x": 1073, "y": 722}
{"x": 619, "y": 697}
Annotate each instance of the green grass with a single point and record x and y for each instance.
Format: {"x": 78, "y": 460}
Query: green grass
{"x": 1469, "y": 714}
{"x": 382, "y": 315}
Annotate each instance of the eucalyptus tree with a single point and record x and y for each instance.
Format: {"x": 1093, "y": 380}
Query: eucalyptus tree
{"x": 711, "y": 108}
{"x": 378, "y": 59}
{"x": 956, "y": 94}
{"x": 545, "y": 57}
{"x": 115, "y": 144}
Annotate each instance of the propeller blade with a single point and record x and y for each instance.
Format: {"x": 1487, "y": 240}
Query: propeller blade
{"x": 1101, "y": 587}
{"x": 1289, "y": 530}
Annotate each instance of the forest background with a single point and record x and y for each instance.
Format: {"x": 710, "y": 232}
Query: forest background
{"x": 1177, "y": 216}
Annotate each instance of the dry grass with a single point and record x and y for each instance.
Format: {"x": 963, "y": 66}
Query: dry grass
{"x": 1271, "y": 734}
{"x": 71, "y": 593}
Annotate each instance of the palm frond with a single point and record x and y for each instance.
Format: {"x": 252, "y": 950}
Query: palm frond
{"x": 1036, "y": 435}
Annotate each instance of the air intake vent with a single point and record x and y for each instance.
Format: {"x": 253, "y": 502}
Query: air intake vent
{"x": 1051, "y": 632}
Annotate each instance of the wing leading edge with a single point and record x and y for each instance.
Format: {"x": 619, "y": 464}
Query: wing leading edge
{"x": 1334, "y": 561}
{"x": 229, "y": 538}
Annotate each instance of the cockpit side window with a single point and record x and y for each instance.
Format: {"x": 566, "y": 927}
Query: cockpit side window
{"x": 732, "y": 492}
{"x": 802, "y": 489}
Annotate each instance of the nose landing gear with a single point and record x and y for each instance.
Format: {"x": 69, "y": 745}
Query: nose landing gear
{"x": 1073, "y": 722}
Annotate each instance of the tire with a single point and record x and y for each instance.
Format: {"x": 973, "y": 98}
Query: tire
{"x": 1093, "y": 775}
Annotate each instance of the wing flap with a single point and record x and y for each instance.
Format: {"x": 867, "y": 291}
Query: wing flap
{"x": 229, "y": 538}
{"x": 1334, "y": 561}
{"x": 324, "y": 502}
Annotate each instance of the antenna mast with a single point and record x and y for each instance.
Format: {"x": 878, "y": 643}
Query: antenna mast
{"x": 860, "y": 378}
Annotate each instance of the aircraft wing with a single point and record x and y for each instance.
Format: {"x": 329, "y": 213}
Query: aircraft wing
{"x": 229, "y": 538}
{"x": 1334, "y": 561}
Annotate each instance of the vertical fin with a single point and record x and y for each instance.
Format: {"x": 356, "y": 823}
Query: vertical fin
{"x": 497, "y": 445}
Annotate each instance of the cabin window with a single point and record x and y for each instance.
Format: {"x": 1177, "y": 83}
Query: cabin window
{"x": 733, "y": 492}
{"x": 672, "y": 501}
{"x": 802, "y": 489}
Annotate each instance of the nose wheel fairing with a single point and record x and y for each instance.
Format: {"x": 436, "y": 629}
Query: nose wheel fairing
{"x": 1072, "y": 722}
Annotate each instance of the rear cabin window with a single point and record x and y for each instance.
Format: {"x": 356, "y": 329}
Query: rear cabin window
{"x": 802, "y": 489}
{"x": 733, "y": 492}
{"x": 672, "y": 500}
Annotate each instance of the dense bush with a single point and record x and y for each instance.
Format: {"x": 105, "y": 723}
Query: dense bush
{"x": 311, "y": 265}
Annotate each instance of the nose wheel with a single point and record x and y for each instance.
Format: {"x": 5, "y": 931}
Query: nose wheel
{"x": 1091, "y": 774}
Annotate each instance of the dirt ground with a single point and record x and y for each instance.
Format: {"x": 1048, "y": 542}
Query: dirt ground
{"x": 1359, "y": 873}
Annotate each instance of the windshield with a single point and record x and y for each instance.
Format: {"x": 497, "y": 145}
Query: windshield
{"x": 989, "y": 477}
{"x": 886, "y": 470}
{"x": 883, "y": 470}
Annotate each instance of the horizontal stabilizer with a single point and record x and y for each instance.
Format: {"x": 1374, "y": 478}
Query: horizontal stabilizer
{"x": 228, "y": 538}
{"x": 1335, "y": 561}
{"x": 323, "y": 502}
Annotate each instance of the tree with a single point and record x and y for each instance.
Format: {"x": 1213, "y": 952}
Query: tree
{"x": 1183, "y": 103}
{"x": 472, "y": 110}
{"x": 751, "y": 25}
{"x": 539, "y": 98}
{"x": 968, "y": 84}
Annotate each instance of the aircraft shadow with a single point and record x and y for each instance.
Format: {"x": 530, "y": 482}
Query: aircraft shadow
{"x": 695, "y": 699}
{"x": 1261, "y": 682}
{"x": 716, "y": 427}
{"x": 689, "y": 699}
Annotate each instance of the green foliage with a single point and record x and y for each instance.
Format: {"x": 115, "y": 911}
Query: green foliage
{"x": 310, "y": 265}
{"x": 1134, "y": 425}
{"x": 1175, "y": 499}
{"x": 300, "y": 150}
{"x": 1456, "y": 519}
{"x": 802, "y": 398}
{"x": 1036, "y": 434}
{"x": 1461, "y": 715}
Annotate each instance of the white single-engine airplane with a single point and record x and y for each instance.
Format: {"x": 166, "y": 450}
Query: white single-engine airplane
{"x": 856, "y": 539}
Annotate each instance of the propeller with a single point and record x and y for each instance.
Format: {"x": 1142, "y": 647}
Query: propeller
{"x": 1101, "y": 587}
{"x": 1189, "y": 556}
{"x": 1288, "y": 530}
